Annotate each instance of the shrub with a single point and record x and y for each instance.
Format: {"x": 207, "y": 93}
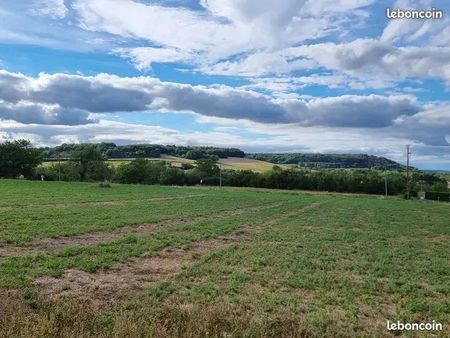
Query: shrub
{"x": 438, "y": 196}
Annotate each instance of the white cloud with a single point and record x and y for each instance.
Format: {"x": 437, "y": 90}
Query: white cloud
{"x": 53, "y": 8}
{"x": 144, "y": 57}
{"x": 282, "y": 84}
{"x": 367, "y": 57}
{"x": 224, "y": 28}
{"x": 105, "y": 93}
{"x": 19, "y": 27}
{"x": 431, "y": 126}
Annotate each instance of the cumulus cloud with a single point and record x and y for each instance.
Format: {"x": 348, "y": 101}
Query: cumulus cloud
{"x": 364, "y": 59}
{"x": 373, "y": 111}
{"x": 144, "y": 57}
{"x": 279, "y": 86}
{"x": 224, "y": 28}
{"x": 368, "y": 57}
{"x": 27, "y": 112}
{"x": 53, "y": 8}
{"x": 431, "y": 126}
{"x": 105, "y": 93}
{"x": 254, "y": 38}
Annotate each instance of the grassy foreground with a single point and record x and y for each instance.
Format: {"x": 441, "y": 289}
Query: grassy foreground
{"x": 77, "y": 260}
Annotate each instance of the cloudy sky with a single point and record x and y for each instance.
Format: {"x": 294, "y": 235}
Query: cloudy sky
{"x": 261, "y": 75}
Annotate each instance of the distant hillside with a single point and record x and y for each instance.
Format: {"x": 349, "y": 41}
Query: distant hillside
{"x": 113, "y": 151}
{"x": 327, "y": 160}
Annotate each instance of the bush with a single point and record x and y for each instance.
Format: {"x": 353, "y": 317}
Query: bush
{"x": 438, "y": 196}
{"x": 66, "y": 171}
{"x": 187, "y": 166}
{"x": 141, "y": 171}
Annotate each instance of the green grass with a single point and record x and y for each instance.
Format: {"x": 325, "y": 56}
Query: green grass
{"x": 52, "y": 209}
{"x": 339, "y": 269}
{"x": 30, "y": 193}
{"x": 22, "y": 270}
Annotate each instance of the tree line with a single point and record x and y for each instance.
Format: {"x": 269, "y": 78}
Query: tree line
{"x": 113, "y": 151}
{"x": 90, "y": 165}
{"x": 328, "y": 160}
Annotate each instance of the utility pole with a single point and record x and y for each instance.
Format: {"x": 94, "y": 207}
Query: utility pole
{"x": 408, "y": 153}
{"x": 59, "y": 167}
{"x": 385, "y": 183}
{"x": 220, "y": 174}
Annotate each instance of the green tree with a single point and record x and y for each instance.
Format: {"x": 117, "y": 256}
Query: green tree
{"x": 92, "y": 164}
{"x": 194, "y": 154}
{"x": 18, "y": 158}
{"x": 141, "y": 171}
{"x": 208, "y": 166}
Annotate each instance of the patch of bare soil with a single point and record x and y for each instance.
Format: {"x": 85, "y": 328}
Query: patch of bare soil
{"x": 92, "y": 238}
{"x": 10, "y": 299}
{"x": 373, "y": 319}
{"x": 128, "y": 278}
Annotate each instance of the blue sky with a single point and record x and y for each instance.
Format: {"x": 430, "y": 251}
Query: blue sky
{"x": 286, "y": 75}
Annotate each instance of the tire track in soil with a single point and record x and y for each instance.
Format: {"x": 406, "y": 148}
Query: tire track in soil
{"x": 91, "y": 238}
{"x": 126, "y": 279}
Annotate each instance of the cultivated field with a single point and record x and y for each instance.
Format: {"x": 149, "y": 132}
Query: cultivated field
{"x": 77, "y": 260}
{"x": 239, "y": 163}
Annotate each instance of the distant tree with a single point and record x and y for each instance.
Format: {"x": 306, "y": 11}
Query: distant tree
{"x": 195, "y": 154}
{"x": 187, "y": 166}
{"x": 133, "y": 172}
{"x": 141, "y": 171}
{"x": 208, "y": 166}
{"x": 277, "y": 168}
{"x": 172, "y": 176}
{"x": 18, "y": 158}
{"x": 92, "y": 164}
{"x": 440, "y": 187}
{"x": 112, "y": 150}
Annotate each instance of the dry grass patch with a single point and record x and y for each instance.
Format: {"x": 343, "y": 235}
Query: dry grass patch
{"x": 126, "y": 279}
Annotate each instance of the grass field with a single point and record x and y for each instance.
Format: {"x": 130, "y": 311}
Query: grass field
{"x": 77, "y": 260}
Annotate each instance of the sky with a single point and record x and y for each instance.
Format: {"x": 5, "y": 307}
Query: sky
{"x": 328, "y": 76}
